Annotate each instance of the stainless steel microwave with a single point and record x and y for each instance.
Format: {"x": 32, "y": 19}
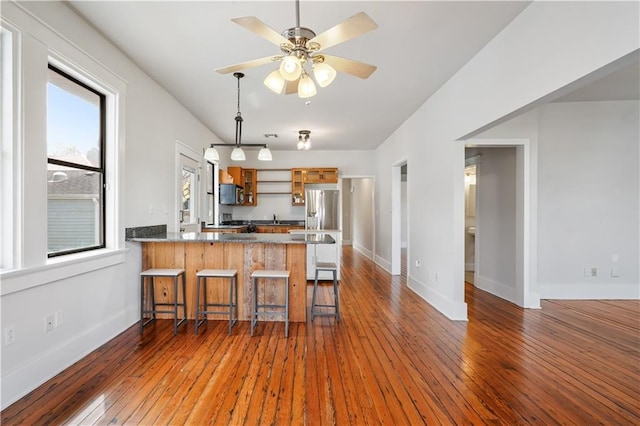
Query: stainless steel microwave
{"x": 231, "y": 194}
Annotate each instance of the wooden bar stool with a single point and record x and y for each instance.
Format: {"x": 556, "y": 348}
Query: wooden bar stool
{"x": 171, "y": 273}
{"x": 255, "y": 306}
{"x": 201, "y": 279}
{"x": 326, "y": 266}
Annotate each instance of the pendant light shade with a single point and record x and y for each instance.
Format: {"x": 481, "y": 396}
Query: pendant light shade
{"x": 275, "y": 81}
{"x": 290, "y": 68}
{"x": 211, "y": 154}
{"x": 237, "y": 154}
{"x": 265, "y": 154}
{"x": 306, "y": 87}
{"x": 324, "y": 74}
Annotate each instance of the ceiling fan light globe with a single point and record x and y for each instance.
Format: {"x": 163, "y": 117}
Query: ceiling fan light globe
{"x": 265, "y": 154}
{"x": 275, "y": 82}
{"x": 324, "y": 74}
{"x": 300, "y": 144}
{"x": 306, "y": 87}
{"x": 237, "y": 154}
{"x": 290, "y": 68}
{"x": 307, "y": 145}
{"x": 211, "y": 154}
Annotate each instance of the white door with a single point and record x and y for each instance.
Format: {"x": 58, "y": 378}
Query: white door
{"x": 188, "y": 196}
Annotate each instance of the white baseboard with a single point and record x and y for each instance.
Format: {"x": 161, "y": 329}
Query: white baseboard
{"x": 496, "y": 288}
{"x": 362, "y": 250}
{"x": 453, "y": 310}
{"x": 586, "y": 291}
{"x": 18, "y": 383}
{"x": 383, "y": 263}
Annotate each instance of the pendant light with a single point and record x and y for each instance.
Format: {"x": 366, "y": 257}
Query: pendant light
{"x": 211, "y": 154}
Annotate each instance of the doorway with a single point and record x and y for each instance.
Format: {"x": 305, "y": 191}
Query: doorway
{"x": 187, "y": 189}
{"x": 399, "y": 217}
{"x": 503, "y": 246}
{"x": 358, "y": 214}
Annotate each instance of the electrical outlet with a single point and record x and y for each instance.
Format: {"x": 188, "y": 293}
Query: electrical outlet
{"x": 9, "y": 335}
{"x": 49, "y": 323}
{"x": 594, "y": 272}
{"x": 418, "y": 264}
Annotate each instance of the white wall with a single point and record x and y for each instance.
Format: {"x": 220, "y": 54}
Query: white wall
{"x": 589, "y": 194}
{"x": 547, "y": 47}
{"x": 361, "y": 209}
{"x": 97, "y": 296}
{"x": 496, "y": 217}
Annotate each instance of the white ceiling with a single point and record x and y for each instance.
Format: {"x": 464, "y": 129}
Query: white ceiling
{"x": 417, "y": 47}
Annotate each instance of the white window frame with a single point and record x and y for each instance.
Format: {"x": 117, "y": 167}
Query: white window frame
{"x": 29, "y": 264}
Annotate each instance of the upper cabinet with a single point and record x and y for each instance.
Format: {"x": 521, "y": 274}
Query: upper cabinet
{"x": 249, "y": 178}
{"x": 302, "y": 177}
{"x": 236, "y": 174}
{"x": 324, "y": 175}
{"x": 245, "y": 178}
{"x": 297, "y": 187}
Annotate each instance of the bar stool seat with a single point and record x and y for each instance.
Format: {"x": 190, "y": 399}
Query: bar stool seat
{"x": 201, "y": 280}
{"x": 268, "y": 274}
{"x": 332, "y": 267}
{"x": 176, "y": 274}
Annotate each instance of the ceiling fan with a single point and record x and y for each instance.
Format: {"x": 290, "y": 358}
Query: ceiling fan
{"x": 300, "y": 48}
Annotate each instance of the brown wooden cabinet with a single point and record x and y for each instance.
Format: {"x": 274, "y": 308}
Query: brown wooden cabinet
{"x": 321, "y": 175}
{"x": 246, "y": 178}
{"x": 249, "y": 179}
{"x": 276, "y": 229}
{"x": 301, "y": 177}
{"x": 297, "y": 187}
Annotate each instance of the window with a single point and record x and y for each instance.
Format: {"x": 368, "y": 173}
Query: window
{"x": 75, "y": 165}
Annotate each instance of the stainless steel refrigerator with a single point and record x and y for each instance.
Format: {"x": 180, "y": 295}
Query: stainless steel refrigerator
{"x": 322, "y": 214}
{"x": 322, "y": 209}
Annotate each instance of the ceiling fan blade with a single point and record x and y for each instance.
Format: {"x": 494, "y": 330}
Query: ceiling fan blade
{"x": 256, "y": 26}
{"x": 350, "y": 28}
{"x": 248, "y": 64}
{"x": 291, "y": 87}
{"x": 349, "y": 66}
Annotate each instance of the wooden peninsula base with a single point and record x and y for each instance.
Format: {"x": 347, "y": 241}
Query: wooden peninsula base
{"x": 243, "y": 252}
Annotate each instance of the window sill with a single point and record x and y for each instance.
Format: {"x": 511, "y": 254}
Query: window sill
{"x": 59, "y": 268}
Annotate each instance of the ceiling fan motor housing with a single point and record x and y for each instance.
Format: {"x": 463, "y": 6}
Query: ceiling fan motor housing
{"x": 299, "y": 36}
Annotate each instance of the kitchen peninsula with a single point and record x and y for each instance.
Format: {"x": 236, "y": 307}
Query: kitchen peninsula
{"x": 245, "y": 252}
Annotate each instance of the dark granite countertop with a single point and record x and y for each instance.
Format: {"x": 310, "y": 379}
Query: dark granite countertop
{"x": 244, "y": 238}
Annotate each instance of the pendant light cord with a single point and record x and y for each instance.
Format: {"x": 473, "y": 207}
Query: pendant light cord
{"x": 239, "y": 115}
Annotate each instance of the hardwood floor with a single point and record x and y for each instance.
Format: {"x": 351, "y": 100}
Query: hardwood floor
{"x": 392, "y": 359}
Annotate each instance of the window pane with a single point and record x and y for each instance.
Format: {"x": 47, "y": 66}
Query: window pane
{"x": 74, "y": 209}
{"x": 73, "y": 122}
{"x": 75, "y": 169}
{"x": 188, "y": 184}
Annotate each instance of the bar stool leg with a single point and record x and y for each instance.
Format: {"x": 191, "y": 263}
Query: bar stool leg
{"x": 286, "y": 307}
{"x": 141, "y": 303}
{"x": 254, "y": 304}
{"x": 184, "y": 298}
{"x": 230, "y": 304}
{"x": 313, "y": 297}
{"x": 175, "y": 305}
{"x": 335, "y": 293}
{"x": 197, "y": 304}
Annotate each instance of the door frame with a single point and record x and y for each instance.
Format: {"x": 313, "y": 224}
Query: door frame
{"x": 181, "y": 149}
{"x": 396, "y": 217}
{"x": 526, "y": 218}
